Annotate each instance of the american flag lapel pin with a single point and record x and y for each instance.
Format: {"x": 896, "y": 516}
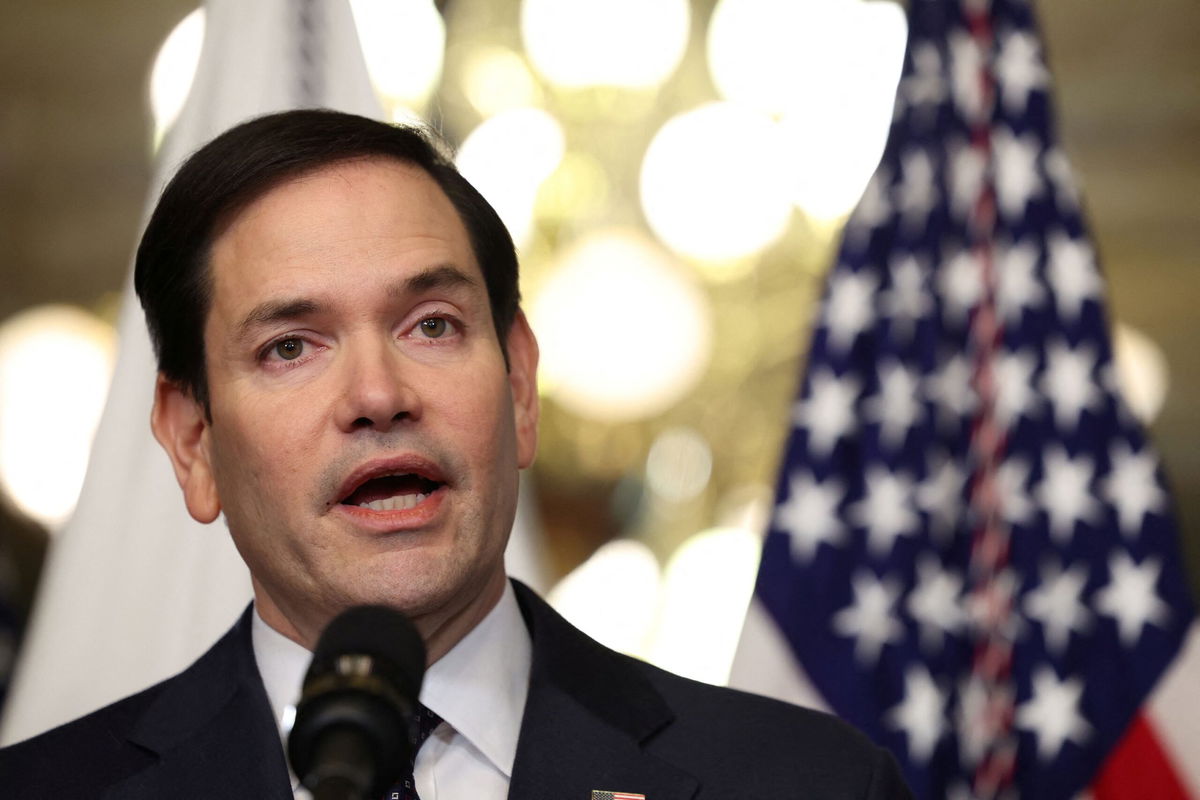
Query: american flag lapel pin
{"x": 597, "y": 794}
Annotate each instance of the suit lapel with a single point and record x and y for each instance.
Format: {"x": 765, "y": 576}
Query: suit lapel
{"x": 587, "y": 718}
{"x": 212, "y": 730}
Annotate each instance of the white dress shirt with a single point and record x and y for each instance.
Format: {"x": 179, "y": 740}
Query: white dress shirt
{"x": 478, "y": 689}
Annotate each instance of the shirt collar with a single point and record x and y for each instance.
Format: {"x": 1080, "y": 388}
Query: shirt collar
{"x": 478, "y": 688}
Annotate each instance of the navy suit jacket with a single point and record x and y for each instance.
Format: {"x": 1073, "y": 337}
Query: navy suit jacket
{"x": 594, "y": 719}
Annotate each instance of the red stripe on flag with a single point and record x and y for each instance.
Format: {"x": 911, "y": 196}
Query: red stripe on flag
{"x": 1139, "y": 767}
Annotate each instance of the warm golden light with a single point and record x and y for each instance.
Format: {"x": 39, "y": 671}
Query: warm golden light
{"x": 711, "y": 182}
{"x": 403, "y": 42}
{"x": 624, "y": 331}
{"x": 707, "y": 586}
{"x": 174, "y": 69}
{"x": 497, "y": 79}
{"x": 1141, "y": 372}
{"x": 626, "y": 43}
{"x": 828, "y": 69}
{"x": 613, "y": 596}
{"x": 679, "y": 465}
{"x": 55, "y": 365}
{"x": 507, "y": 158}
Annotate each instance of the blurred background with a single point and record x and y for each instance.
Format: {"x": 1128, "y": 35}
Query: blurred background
{"x": 673, "y": 334}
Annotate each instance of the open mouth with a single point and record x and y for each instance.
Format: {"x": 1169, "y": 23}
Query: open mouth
{"x": 392, "y": 492}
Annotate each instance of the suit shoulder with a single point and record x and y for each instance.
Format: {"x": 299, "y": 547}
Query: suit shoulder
{"x": 82, "y": 754}
{"x": 734, "y": 743}
{"x": 701, "y": 704}
{"x": 778, "y": 745}
{"x": 108, "y": 745}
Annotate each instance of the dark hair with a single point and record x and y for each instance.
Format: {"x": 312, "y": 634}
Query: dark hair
{"x": 171, "y": 275}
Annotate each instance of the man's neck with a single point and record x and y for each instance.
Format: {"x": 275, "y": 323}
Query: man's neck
{"x": 440, "y": 630}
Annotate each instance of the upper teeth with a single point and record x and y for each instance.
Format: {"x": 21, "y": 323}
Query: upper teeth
{"x": 399, "y": 502}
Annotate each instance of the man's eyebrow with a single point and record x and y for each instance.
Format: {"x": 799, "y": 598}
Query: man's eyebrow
{"x": 273, "y": 311}
{"x": 440, "y": 277}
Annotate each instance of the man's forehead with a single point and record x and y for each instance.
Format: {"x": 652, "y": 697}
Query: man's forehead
{"x": 336, "y": 183}
{"x": 381, "y": 202}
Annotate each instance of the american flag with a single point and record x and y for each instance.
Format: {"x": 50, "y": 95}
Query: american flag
{"x": 602, "y": 795}
{"x": 972, "y": 554}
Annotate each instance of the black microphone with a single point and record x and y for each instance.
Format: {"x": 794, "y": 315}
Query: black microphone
{"x": 351, "y": 736}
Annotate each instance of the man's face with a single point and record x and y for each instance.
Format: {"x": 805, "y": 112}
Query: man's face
{"x": 365, "y": 434}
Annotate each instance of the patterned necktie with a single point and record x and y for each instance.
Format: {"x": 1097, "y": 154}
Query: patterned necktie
{"x": 424, "y": 721}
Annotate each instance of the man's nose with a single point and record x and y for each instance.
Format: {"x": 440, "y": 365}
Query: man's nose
{"x": 378, "y": 393}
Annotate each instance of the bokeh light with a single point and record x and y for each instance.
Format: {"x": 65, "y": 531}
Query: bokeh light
{"x": 404, "y": 43}
{"x": 711, "y": 182}
{"x": 828, "y": 70}
{"x": 174, "y": 70}
{"x": 496, "y": 79}
{"x": 1141, "y": 371}
{"x": 679, "y": 464}
{"x": 613, "y": 596}
{"x": 625, "y": 43}
{"x": 55, "y": 366}
{"x": 624, "y": 331}
{"x": 507, "y": 158}
{"x": 706, "y": 589}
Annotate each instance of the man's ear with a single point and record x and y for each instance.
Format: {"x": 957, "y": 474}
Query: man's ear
{"x": 522, "y": 379}
{"x": 182, "y": 428}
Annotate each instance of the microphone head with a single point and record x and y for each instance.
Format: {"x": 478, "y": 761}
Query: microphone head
{"x": 379, "y": 632}
{"x": 353, "y": 720}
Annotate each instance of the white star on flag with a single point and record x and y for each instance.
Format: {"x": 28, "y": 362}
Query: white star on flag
{"x": 927, "y": 87}
{"x": 897, "y": 407}
{"x": 1015, "y": 396}
{"x": 1057, "y": 604}
{"x": 968, "y": 168}
{"x": 869, "y": 619}
{"x": 1017, "y": 179}
{"x": 886, "y": 510}
{"x": 920, "y": 715}
{"x": 1069, "y": 384}
{"x": 940, "y": 495}
{"x": 949, "y": 388}
{"x": 960, "y": 285}
{"x": 1072, "y": 273}
{"x": 828, "y": 410}
{"x": 1019, "y": 68}
{"x": 1130, "y": 597}
{"x": 1132, "y": 487}
{"x": 810, "y": 515}
{"x": 966, "y": 61}
{"x": 1065, "y": 493}
{"x": 936, "y": 602}
{"x": 907, "y": 301}
{"x": 1053, "y": 713}
{"x": 849, "y": 308}
{"x": 1017, "y": 284}
{"x": 917, "y": 192}
{"x": 1012, "y": 485}
{"x": 1066, "y": 190}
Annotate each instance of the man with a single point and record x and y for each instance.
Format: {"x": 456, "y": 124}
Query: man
{"x": 346, "y": 375}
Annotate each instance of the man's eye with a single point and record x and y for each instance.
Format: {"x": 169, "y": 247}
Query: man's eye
{"x": 434, "y": 327}
{"x": 289, "y": 349}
